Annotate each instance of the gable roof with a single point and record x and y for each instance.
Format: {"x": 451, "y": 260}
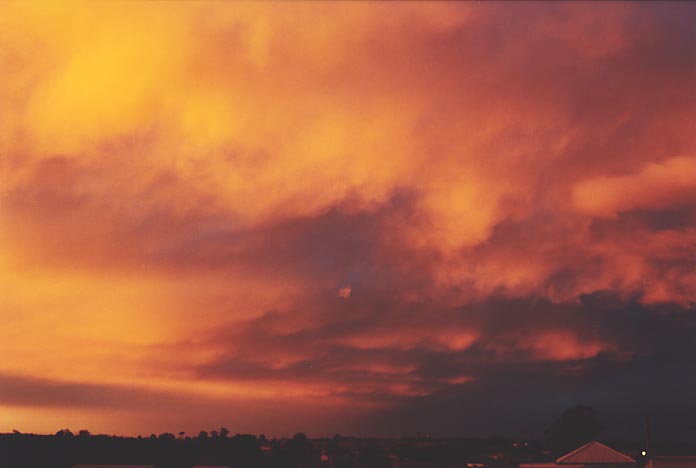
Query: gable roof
{"x": 594, "y": 453}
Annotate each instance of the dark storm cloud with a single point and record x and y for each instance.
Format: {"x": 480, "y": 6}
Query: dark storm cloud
{"x": 28, "y": 391}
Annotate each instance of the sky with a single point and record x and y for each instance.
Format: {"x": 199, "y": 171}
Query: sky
{"x": 356, "y": 218}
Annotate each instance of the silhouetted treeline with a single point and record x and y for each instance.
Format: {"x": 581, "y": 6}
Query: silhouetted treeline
{"x": 65, "y": 449}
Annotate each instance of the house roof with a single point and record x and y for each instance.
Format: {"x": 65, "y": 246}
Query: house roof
{"x": 594, "y": 453}
{"x": 672, "y": 462}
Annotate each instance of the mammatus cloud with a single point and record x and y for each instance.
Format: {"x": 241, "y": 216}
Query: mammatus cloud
{"x": 351, "y": 212}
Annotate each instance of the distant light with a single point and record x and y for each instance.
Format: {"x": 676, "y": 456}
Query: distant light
{"x": 644, "y": 453}
{"x": 344, "y": 293}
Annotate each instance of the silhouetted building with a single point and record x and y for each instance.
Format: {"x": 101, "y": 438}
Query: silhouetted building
{"x": 671, "y": 462}
{"x": 591, "y": 455}
{"x": 112, "y": 466}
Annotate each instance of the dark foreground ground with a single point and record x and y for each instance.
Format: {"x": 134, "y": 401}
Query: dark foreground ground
{"x": 248, "y": 451}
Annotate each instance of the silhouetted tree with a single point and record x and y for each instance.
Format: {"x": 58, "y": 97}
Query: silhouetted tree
{"x": 577, "y": 426}
{"x": 339, "y": 457}
{"x": 372, "y": 456}
{"x": 299, "y": 452}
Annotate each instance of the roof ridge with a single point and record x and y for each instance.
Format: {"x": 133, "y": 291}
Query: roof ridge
{"x": 592, "y": 444}
{"x": 573, "y": 452}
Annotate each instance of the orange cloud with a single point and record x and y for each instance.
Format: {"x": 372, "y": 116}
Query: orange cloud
{"x": 665, "y": 184}
{"x": 564, "y": 346}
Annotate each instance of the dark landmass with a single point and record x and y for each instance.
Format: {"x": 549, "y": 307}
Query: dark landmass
{"x": 575, "y": 427}
{"x": 219, "y": 448}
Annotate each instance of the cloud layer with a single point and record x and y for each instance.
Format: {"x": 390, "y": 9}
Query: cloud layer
{"x": 319, "y": 217}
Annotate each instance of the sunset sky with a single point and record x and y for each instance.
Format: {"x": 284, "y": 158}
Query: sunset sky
{"x": 371, "y": 219}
